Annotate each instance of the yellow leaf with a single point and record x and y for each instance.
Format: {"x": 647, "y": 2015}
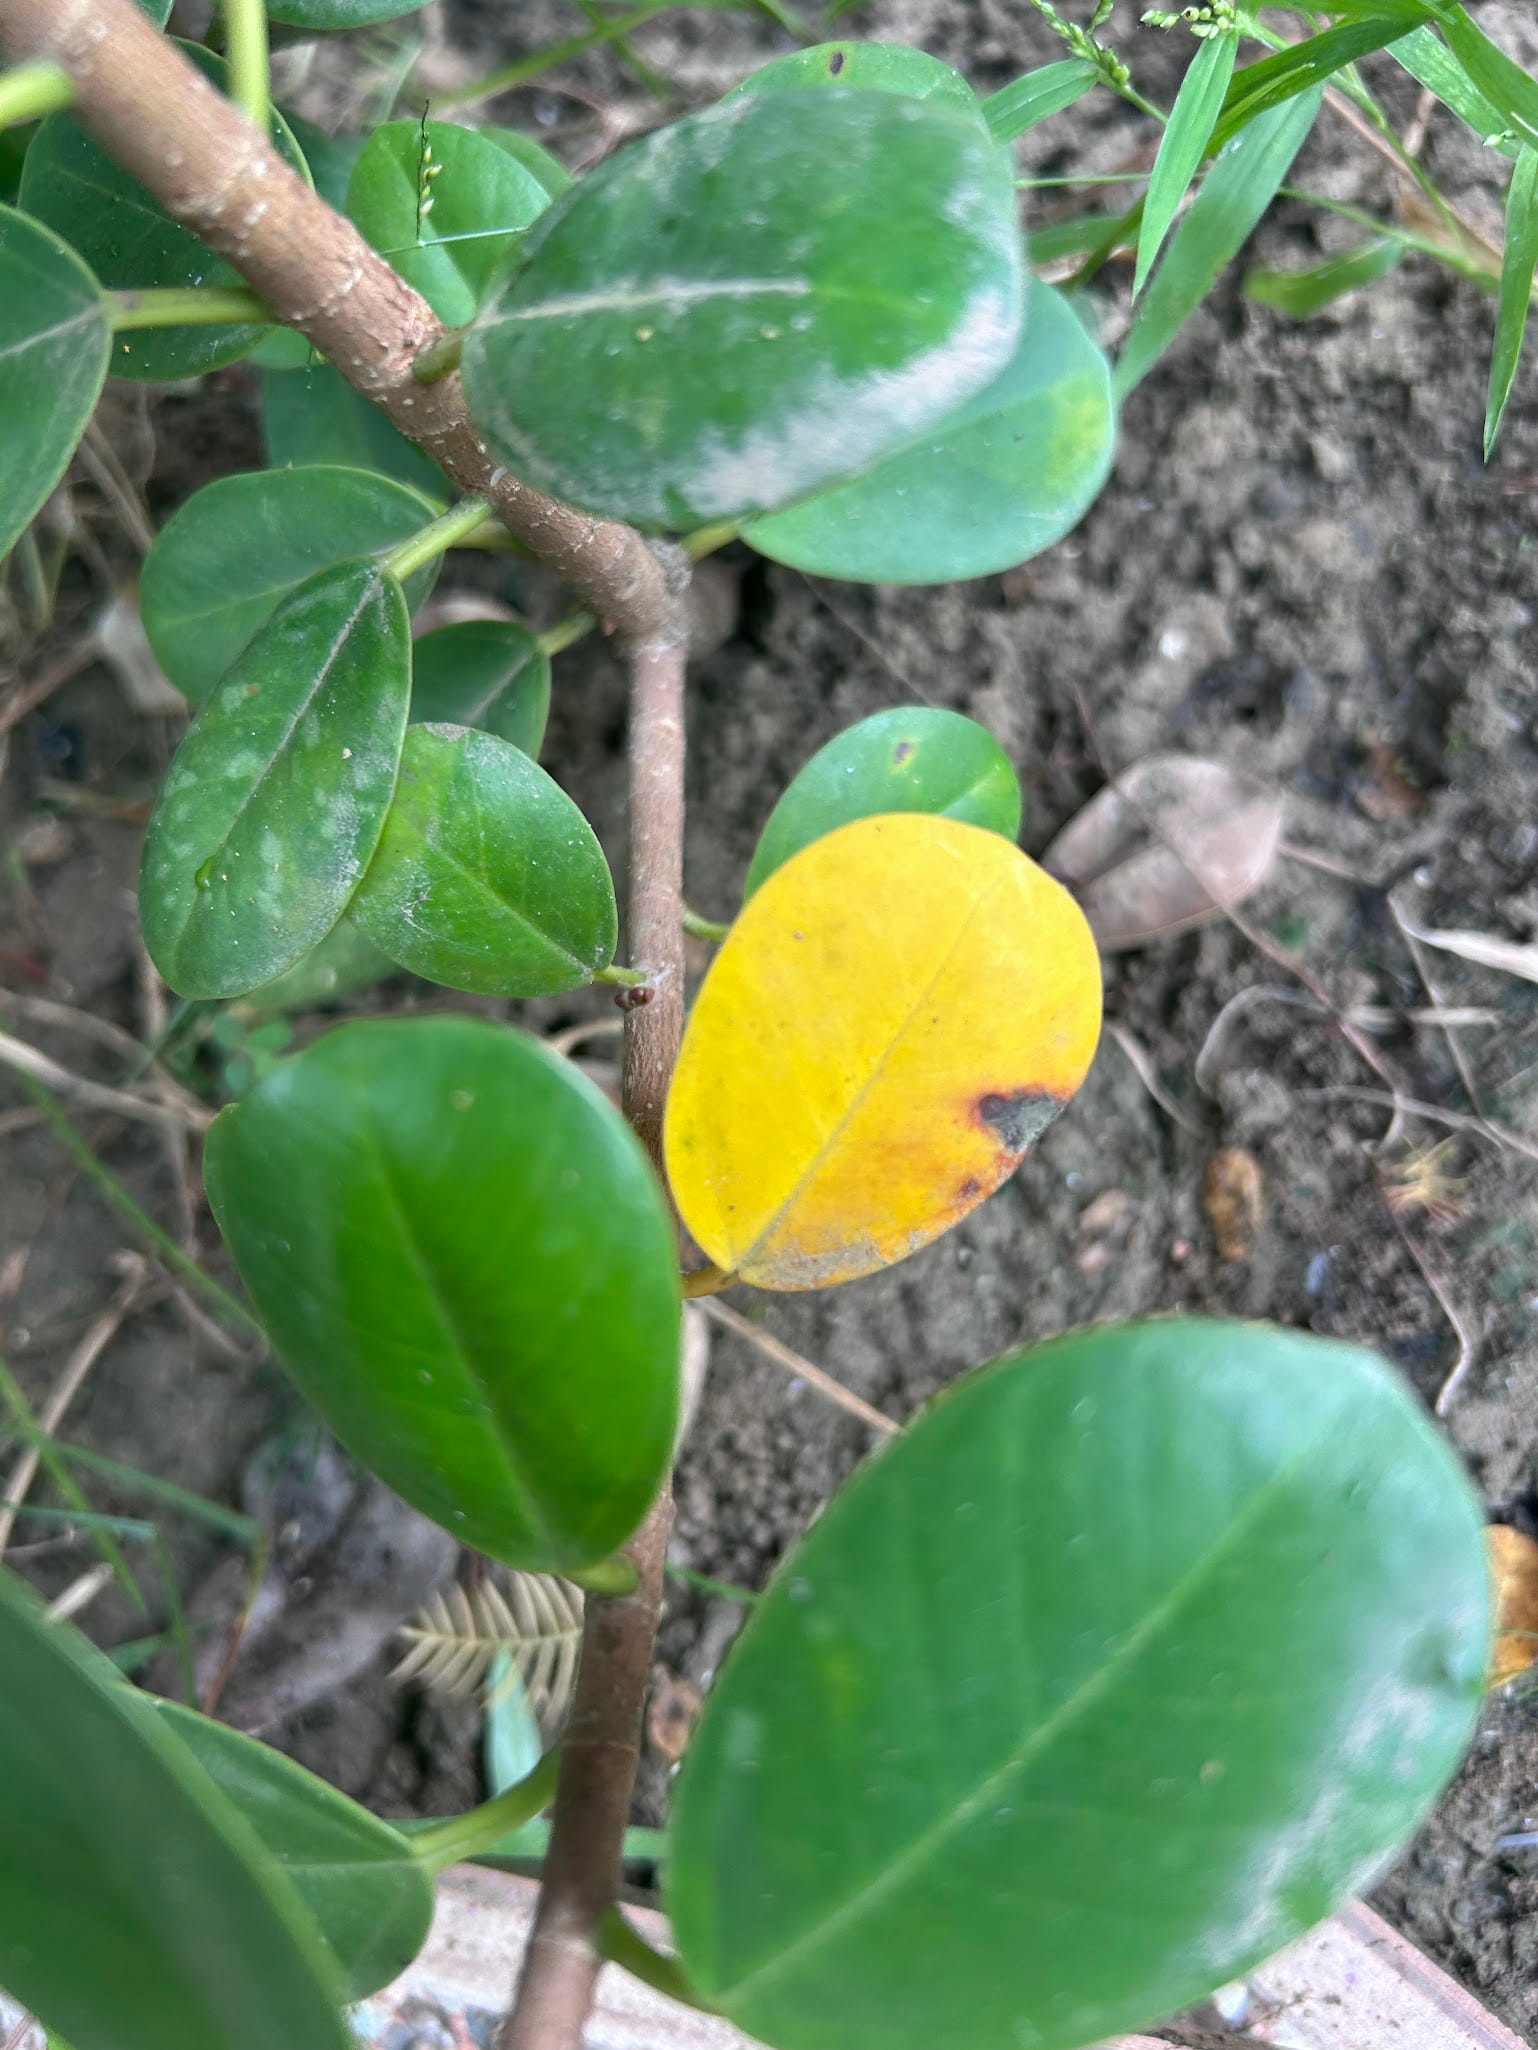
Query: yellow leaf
{"x": 899, "y": 1011}
{"x": 1514, "y": 1563}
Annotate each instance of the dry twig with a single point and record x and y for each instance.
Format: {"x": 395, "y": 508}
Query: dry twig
{"x": 135, "y": 1273}
{"x": 774, "y": 1349}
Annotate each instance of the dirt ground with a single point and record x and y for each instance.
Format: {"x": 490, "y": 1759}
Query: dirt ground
{"x": 1301, "y": 567}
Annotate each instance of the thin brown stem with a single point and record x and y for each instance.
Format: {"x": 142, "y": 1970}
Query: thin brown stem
{"x": 217, "y": 174}
{"x": 602, "y": 1743}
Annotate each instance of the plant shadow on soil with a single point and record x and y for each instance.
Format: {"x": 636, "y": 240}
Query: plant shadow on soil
{"x": 1302, "y": 566}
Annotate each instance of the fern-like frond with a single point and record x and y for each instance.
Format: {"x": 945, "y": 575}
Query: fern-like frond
{"x": 534, "y": 1617}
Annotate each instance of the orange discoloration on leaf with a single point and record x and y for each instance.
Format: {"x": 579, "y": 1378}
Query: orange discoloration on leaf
{"x": 897, "y": 1015}
{"x": 1514, "y": 1568}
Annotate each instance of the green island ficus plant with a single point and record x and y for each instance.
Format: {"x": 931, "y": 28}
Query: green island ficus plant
{"x": 1209, "y": 1599}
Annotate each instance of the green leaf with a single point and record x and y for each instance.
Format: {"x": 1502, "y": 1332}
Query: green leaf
{"x": 1002, "y": 479}
{"x": 335, "y": 967}
{"x": 1233, "y": 196}
{"x": 1429, "y": 61}
{"x": 138, "y": 1910}
{"x": 487, "y": 876}
{"x": 1304, "y": 292}
{"x": 370, "y": 1900}
{"x": 1506, "y": 86}
{"x": 159, "y": 11}
{"x": 513, "y": 1746}
{"x": 274, "y": 803}
{"x": 489, "y": 673}
{"x": 313, "y": 416}
{"x": 448, "y": 232}
{"x": 875, "y": 67}
{"x": 546, "y": 169}
{"x": 1091, "y": 234}
{"x": 709, "y": 325}
{"x": 466, "y": 1261}
{"x": 1183, "y": 145}
{"x": 1281, "y": 77}
{"x": 329, "y": 158}
{"x": 14, "y": 143}
{"x": 131, "y": 243}
{"x": 1517, "y": 265}
{"x": 54, "y": 342}
{"x": 224, "y": 561}
{"x": 1186, "y": 1634}
{"x": 339, "y": 14}
{"x": 912, "y": 759}
{"x": 1403, "y": 11}
{"x": 1047, "y": 90}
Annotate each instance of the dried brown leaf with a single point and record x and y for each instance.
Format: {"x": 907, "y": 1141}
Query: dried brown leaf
{"x": 1514, "y": 1565}
{"x": 1510, "y": 957}
{"x": 1233, "y": 1196}
{"x": 1175, "y": 840}
{"x": 671, "y": 1713}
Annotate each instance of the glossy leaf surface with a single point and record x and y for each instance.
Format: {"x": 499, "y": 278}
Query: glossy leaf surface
{"x": 224, "y": 561}
{"x": 313, "y": 416}
{"x": 487, "y": 876}
{"x": 912, "y": 759}
{"x": 1234, "y": 194}
{"x": 1005, "y": 477}
{"x": 547, "y": 170}
{"x": 466, "y": 1263}
{"x": 1217, "y": 1597}
{"x": 893, "y": 1019}
{"x": 876, "y": 67}
{"x": 54, "y": 342}
{"x": 369, "y": 1898}
{"x": 708, "y": 325}
{"x": 343, "y": 962}
{"x": 137, "y": 1908}
{"x": 131, "y": 243}
{"x": 274, "y": 803}
{"x": 482, "y": 198}
{"x": 490, "y": 673}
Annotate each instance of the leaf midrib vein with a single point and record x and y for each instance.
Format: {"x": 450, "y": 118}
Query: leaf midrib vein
{"x": 277, "y": 752}
{"x": 858, "y": 1100}
{"x": 530, "y": 1505}
{"x": 962, "y": 1811}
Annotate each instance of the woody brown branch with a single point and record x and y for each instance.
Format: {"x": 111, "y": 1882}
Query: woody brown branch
{"x": 213, "y": 171}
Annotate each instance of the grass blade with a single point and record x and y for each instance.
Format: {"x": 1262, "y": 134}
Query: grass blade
{"x": 24, "y": 1425}
{"x": 1431, "y": 64}
{"x": 1281, "y": 77}
{"x": 1501, "y": 80}
{"x": 1517, "y": 267}
{"x": 1016, "y": 107}
{"x": 1300, "y": 293}
{"x": 1234, "y": 195}
{"x": 1184, "y": 144}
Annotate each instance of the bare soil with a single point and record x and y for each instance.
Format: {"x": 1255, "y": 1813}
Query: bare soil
{"x": 1301, "y": 566}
